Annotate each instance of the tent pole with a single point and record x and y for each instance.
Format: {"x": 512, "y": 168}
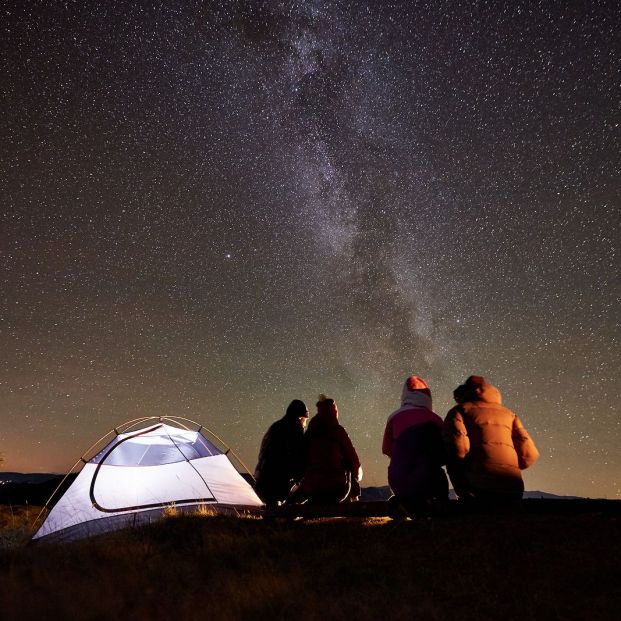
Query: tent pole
{"x": 45, "y": 506}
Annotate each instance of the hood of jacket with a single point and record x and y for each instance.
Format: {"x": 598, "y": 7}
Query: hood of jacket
{"x": 489, "y": 394}
{"x": 414, "y": 398}
{"x": 295, "y": 411}
{"x": 475, "y": 388}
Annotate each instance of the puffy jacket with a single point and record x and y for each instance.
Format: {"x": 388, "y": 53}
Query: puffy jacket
{"x": 490, "y": 441}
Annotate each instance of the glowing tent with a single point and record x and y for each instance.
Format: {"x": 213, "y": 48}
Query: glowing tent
{"x": 148, "y": 465}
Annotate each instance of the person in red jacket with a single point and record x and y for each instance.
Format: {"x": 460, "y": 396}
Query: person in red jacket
{"x": 413, "y": 441}
{"x": 331, "y": 459}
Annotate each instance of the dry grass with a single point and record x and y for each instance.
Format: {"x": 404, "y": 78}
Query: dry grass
{"x": 205, "y": 510}
{"x": 15, "y": 524}
{"x": 170, "y": 510}
{"x": 193, "y": 567}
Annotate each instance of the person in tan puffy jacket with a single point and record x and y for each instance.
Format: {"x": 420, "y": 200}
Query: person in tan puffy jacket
{"x": 487, "y": 444}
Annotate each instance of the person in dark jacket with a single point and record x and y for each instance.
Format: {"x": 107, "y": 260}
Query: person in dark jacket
{"x": 331, "y": 459}
{"x": 413, "y": 441}
{"x": 488, "y": 445}
{"x": 281, "y": 456}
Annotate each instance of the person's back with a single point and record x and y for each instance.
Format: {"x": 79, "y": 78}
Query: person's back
{"x": 413, "y": 441}
{"x": 418, "y": 448}
{"x": 281, "y": 456}
{"x": 489, "y": 441}
{"x": 331, "y": 460}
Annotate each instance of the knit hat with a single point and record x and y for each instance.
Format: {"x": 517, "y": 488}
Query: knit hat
{"x": 325, "y": 404}
{"x": 416, "y": 383}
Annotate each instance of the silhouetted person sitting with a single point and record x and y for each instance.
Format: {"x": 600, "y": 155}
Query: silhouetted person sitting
{"x": 331, "y": 459}
{"x": 487, "y": 445}
{"x": 281, "y": 456}
{"x": 413, "y": 441}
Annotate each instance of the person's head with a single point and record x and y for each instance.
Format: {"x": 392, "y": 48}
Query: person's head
{"x": 297, "y": 409}
{"x": 479, "y": 389}
{"x": 417, "y": 384}
{"x": 460, "y": 394}
{"x": 326, "y": 404}
{"x": 475, "y": 385}
{"x": 476, "y": 388}
{"x": 475, "y": 381}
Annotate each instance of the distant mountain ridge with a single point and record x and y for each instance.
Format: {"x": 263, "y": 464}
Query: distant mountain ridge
{"x": 18, "y": 488}
{"x": 549, "y": 496}
{"x": 371, "y": 494}
{"x": 32, "y": 478}
{"x": 36, "y": 488}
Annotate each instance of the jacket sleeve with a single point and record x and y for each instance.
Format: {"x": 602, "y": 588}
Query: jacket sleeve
{"x": 524, "y": 446}
{"x": 388, "y": 440}
{"x": 455, "y": 434}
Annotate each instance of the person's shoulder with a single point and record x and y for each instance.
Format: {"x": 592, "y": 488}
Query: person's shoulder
{"x": 275, "y": 426}
{"x": 456, "y": 410}
{"x": 484, "y": 410}
{"x": 341, "y": 431}
{"x": 435, "y": 417}
{"x": 278, "y": 428}
{"x": 403, "y": 411}
{"x": 499, "y": 408}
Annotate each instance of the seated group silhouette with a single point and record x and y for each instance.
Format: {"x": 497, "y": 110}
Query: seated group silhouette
{"x": 483, "y": 445}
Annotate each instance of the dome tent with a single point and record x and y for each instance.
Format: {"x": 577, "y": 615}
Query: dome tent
{"x": 132, "y": 474}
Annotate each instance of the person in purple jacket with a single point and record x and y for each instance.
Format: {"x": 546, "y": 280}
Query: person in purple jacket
{"x": 413, "y": 441}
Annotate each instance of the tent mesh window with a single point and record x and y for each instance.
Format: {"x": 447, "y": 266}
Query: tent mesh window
{"x": 166, "y": 446}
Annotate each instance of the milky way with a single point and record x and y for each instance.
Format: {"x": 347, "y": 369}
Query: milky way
{"x": 210, "y": 209}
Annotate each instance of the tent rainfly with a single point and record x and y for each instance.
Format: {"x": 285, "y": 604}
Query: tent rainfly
{"x": 149, "y": 464}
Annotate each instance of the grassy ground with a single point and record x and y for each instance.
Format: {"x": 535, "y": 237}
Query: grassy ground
{"x": 15, "y": 524}
{"x": 206, "y": 567}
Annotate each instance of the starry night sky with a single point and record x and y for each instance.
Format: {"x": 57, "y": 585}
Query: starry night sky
{"x": 212, "y": 208}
